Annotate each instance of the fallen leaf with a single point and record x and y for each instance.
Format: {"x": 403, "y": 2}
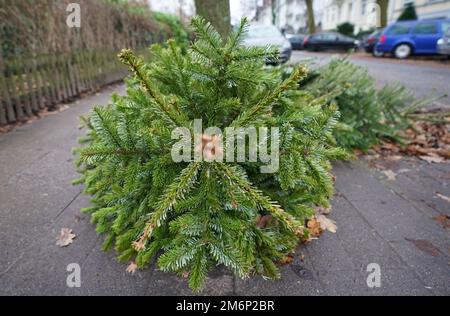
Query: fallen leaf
{"x": 185, "y": 274}
{"x": 132, "y": 267}
{"x": 432, "y": 158}
{"x": 390, "y": 174}
{"x": 322, "y": 210}
{"x": 287, "y": 259}
{"x": 444, "y": 220}
{"x": 313, "y": 227}
{"x": 425, "y": 246}
{"x": 394, "y": 158}
{"x": 65, "y": 237}
{"x": 263, "y": 220}
{"x": 139, "y": 244}
{"x": 445, "y": 198}
{"x": 326, "y": 223}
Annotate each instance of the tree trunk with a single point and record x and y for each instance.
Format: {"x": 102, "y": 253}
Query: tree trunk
{"x": 310, "y": 12}
{"x": 217, "y": 12}
{"x": 383, "y": 6}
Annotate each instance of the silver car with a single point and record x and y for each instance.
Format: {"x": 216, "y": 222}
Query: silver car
{"x": 443, "y": 44}
{"x": 263, "y": 35}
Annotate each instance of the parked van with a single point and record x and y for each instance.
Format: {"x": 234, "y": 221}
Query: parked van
{"x": 406, "y": 38}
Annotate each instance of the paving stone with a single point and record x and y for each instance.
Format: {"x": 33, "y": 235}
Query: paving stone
{"x": 361, "y": 241}
{"x": 41, "y": 268}
{"x": 393, "y": 282}
{"x": 297, "y": 279}
{"x": 357, "y": 183}
{"x": 327, "y": 253}
{"x": 433, "y": 270}
{"x": 219, "y": 282}
{"x": 102, "y": 274}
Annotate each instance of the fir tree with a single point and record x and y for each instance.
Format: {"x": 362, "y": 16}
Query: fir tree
{"x": 193, "y": 215}
{"x": 368, "y": 114}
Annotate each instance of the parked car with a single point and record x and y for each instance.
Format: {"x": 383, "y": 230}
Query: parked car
{"x": 296, "y": 40}
{"x": 406, "y": 38}
{"x": 329, "y": 41}
{"x": 443, "y": 44}
{"x": 371, "y": 41}
{"x": 263, "y": 35}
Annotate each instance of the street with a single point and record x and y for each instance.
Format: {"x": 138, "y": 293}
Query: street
{"x": 424, "y": 78}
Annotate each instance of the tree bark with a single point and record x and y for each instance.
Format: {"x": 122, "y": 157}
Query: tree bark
{"x": 383, "y": 5}
{"x": 217, "y": 12}
{"x": 310, "y": 12}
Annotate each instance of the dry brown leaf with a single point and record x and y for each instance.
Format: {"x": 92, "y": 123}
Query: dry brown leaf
{"x": 139, "y": 244}
{"x": 326, "y": 223}
{"x": 287, "y": 259}
{"x": 65, "y": 237}
{"x": 390, "y": 175}
{"x": 425, "y": 246}
{"x": 314, "y": 227}
{"x": 132, "y": 267}
{"x": 185, "y": 274}
{"x": 394, "y": 158}
{"x": 263, "y": 221}
{"x": 445, "y": 198}
{"x": 323, "y": 210}
{"x": 432, "y": 158}
{"x": 444, "y": 152}
{"x": 444, "y": 220}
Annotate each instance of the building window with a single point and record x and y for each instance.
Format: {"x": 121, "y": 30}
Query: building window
{"x": 363, "y": 7}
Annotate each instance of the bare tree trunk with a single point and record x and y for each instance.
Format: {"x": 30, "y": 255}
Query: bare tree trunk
{"x": 217, "y": 12}
{"x": 310, "y": 12}
{"x": 383, "y": 4}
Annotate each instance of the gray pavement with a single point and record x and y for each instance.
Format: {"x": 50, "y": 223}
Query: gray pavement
{"x": 389, "y": 223}
{"x": 426, "y": 78}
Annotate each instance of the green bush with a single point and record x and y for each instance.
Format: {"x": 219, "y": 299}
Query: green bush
{"x": 346, "y": 28}
{"x": 409, "y": 13}
{"x": 195, "y": 215}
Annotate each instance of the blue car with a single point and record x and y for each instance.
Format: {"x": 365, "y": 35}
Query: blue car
{"x": 406, "y": 38}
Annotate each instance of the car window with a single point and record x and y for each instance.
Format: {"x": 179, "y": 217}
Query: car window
{"x": 446, "y": 28}
{"x": 329, "y": 37}
{"x": 262, "y": 31}
{"x": 398, "y": 29}
{"x": 425, "y": 28}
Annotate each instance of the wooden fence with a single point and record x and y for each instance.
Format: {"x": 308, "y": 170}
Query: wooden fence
{"x": 27, "y": 85}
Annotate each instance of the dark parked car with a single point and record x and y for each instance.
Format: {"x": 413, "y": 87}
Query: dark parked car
{"x": 371, "y": 41}
{"x": 296, "y": 40}
{"x": 406, "y": 38}
{"x": 263, "y": 35}
{"x": 329, "y": 41}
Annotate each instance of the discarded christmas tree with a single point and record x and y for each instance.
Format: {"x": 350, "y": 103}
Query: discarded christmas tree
{"x": 194, "y": 214}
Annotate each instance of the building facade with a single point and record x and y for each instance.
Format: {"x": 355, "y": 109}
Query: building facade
{"x": 425, "y": 9}
{"x": 363, "y": 14}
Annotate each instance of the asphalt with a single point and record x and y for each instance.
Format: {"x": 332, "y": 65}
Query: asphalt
{"x": 389, "y": 223}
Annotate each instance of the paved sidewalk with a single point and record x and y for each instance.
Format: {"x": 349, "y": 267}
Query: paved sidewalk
{"x": 379, "y": 221}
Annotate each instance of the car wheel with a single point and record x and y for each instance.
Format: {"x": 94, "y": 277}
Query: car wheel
{"x": 402, "y": 51}
{"x": 377, "y": 53}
